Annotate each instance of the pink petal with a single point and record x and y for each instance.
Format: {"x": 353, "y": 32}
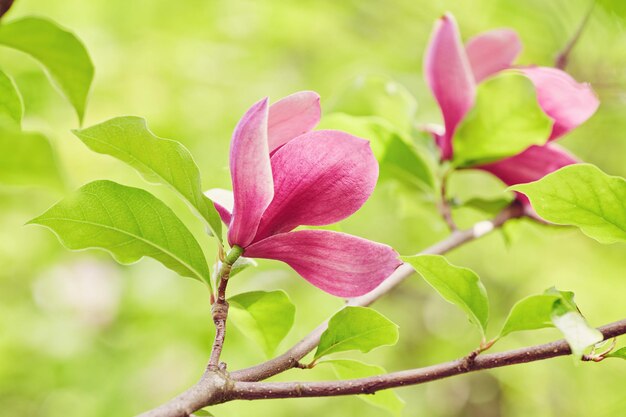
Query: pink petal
{"x": 566, "y": 101}
{"x": 223, "y": 200}
{"x": 449, "y": 77}
{"x": 292, "y": 116}
{"x": 531, "y": 165}
{"x": 251, "y": 174}
{"x": 492, "y": 51}
{"x": 320, "y": 177}
{"x": 338, "y": 263}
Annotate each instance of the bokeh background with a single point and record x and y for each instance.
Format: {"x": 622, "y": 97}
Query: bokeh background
{"x": 83, "y": 336}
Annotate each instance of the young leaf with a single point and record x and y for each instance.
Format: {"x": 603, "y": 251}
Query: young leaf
{"x": 578, "y": 333}
{"x": 351, "y": 369}
{"x": 27, "y": 158}
{"x": 158, "y": 160}
{"x": 11, "y": 106}
{"x": 357, "y": 328}
{"x": 129, "y": 223}
{"x": 534, "y": 312}
{"x": 264, "y": 317}
{"x": 567, "y": 318}
{"x": 619, "y": 353}
{"x": 202, "y": 413}
{"x": 581, "y": 195}
{"x": 457, "y": 285}
{"x": 58, "y": 50}
{"x": 487, "y": 206}
{"x": 505, "y": 120}
{"x": 378, "y": 96}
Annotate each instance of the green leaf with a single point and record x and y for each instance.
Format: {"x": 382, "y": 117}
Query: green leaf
{"x": 264, "y": 317}
{"x": 399, "y": 157}
{"x": 159, "y": 160}
{"x": 457, "y": 285}
{"x": 59, "y": 51}
{"x": 11, "y": 106}
{"x": 578, "y": 333}
{"x": 129, "y": 223}
{"x": 378, "y": 96}
{"x": 26, "y": 158}
{"x": 581, "y": 195}
{"x": 534, "y": 312}
{"x": 619, "y": 353}
{"x": 505, "y": 120}
{"x": 356, "y": 328}
{"x": 202, "y": 413}
{"x": 567, "y": 318}
{"x": 351, "y": 369}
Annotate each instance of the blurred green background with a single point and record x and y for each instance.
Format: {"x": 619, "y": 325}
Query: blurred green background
{"x": 83, "y": 336}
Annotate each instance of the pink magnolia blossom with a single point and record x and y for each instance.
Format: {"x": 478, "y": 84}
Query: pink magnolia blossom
{"x": 452, "y": 71}
{"x": 285, "y": 175}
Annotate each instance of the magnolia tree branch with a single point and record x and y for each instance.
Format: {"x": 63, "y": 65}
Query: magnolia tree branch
{"x": 212, "y": 387}
{"x": 219, "y": 310}
{"x": 562, "y": 57}
{"x": 291, "y": 358}
{"x": 218, "y": 387}
{"x": 266, "y": 390}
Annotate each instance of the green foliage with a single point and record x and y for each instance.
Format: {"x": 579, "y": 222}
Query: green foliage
{"x": 350, "y": 369}
{"x": 356, "y": 328}
{"x": 534, "y": 312}
{"x": 457, "y": 285}
{"x": 567, "y": 318}
{"x": 27, "y": 159}
{"x": 581, "y": 195}
{"x": 619, "y": 353}
{"x": 399, "y": 157}
{"x": 11, "y": 107}
{"x": 264, "y": 317}
{"x": 129, "y": 223}
{"x": 505, "y": 120}
{"x": 59, "y": 51}
{"x": 491, "y": 206}
{"x": 159, "y": 160}
{"x": 378, "y": 96}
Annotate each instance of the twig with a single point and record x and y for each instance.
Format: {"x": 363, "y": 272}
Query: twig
{"x": 563, "y": 56}
{"x": 219, "y": 310}
{"x": 444, "y": 206}
{"x": 215, "y": 388}
{"x": 291, "y": 357}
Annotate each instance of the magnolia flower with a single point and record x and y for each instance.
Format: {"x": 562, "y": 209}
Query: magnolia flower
{"x": 285, "y": 175}
{"x": 452, "y": 71}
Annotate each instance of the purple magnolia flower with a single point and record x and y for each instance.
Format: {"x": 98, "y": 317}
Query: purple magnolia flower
{"x": 285, "y": 175}
{"x": 452, "y": 71}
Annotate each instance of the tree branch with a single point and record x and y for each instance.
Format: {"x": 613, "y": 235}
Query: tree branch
{"x": 219, "y": 311}
{"x": 562, "y": 57}
{"x": 268, "y": 390}
{"x": 290, "y": 358}
{"x": 184, "y": 404}
{"x": 217, "y": 387}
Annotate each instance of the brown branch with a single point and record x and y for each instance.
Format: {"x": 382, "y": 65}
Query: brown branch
{"x": 187, "y": 402}
{"x": 267, "y": 390}
{"x": 562, "y": 58}
{"x": 219, "y": 311}
{"x": 217, "y": 387}
{"x": 290, "y": 358}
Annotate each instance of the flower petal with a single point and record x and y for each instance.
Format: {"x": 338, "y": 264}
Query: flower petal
{"x": 320, "y": 177}
{"x": 562, "y": 98}
{"x": 223, "y": 200}
{"x": 449, "y": 76}
{"x": 251, "y": 174}
{"x": 292, "y": 116}
{"x": 531, "y": 165}
{"x": 492, "y": 51}
{"x": 338, "y": 263}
